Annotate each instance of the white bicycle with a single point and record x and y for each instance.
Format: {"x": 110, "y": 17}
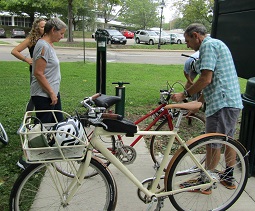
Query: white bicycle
{"x": 42, "y": 187}
{"x": 3, "y": 135}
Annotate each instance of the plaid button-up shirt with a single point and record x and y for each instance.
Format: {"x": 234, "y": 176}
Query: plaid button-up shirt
{"x": 224, "y": 91}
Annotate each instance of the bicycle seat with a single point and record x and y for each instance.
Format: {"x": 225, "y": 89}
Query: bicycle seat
{"x": 106, "y": 101}
{"x": 187, "y": 106}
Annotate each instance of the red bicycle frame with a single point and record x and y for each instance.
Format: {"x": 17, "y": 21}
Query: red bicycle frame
{"x": 164, "y": 113}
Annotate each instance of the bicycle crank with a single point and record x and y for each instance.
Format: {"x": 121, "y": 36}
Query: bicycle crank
{"x": 126, "y": 154}
{"x": 146, "y": 183}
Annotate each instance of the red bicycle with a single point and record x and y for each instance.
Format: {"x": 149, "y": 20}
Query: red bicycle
{"x": 158, "y": 119}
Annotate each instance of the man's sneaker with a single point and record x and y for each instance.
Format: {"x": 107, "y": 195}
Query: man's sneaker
{"x": 22, "y": 164}
{"x": 227, "y": 181}
{"x": 194, "y": 182}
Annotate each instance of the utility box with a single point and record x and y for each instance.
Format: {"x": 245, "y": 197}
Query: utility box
{"x": 247, "y": 129}
{"x": 233, "y": 23}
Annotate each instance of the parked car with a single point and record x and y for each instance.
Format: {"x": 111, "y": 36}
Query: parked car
{"x": 128, "y": 34}
{"x": 148, "y": 37}
{"x": 164, "y": 35}
{"x": 16, "y": 32}
{"x": 2, "y": 33}
{"x": 115, "y": 37}
{"x": 177, "y": 38}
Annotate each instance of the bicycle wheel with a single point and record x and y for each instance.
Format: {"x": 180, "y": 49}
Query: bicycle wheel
{"x": 35, "y": 189}
{"x": 190, "y": 127}
{"x": 3, "y": 135}
{"x": 181, "y": 170}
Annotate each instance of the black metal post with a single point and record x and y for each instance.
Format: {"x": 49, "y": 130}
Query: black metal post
{"x": 160, "y": 27}
{"x": 83, "y": 36}
{"x": 101, "y": 62}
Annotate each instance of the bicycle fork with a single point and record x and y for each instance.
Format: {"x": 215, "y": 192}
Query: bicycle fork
{"x": 67, "y": 194}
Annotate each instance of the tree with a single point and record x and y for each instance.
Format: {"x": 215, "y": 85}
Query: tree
{"x": 31, "y": 7}
{"x": 48, "y": 8}
{"x": 140, "y": 13}
{"x": 199, "y": 11}
{"x": 87, "y": 14}
{"x": 108, "y": 9}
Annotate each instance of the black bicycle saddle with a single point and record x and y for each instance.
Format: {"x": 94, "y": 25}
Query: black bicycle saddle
{"x": 106, "y": 101}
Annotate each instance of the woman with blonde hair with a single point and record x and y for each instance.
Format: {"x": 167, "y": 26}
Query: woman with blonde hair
{"x": 35, "y": 34}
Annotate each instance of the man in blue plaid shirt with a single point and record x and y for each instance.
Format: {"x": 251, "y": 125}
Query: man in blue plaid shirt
{"x": 221, "y": 93}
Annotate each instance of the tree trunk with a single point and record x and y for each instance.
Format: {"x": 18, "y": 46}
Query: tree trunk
{"x": 32, "y": 18}
{"x": 70, "y": 21}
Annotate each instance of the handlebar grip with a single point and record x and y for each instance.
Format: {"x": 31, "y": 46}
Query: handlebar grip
{"x": 189, "y": 56}
{"x": 111, "y": 116}
{"x": 185, "y": 55}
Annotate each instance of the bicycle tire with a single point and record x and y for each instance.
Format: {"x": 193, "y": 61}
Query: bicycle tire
{"x": 34, "y": 189}
{"x": 188, "y": 129}
{"x": 3, "y": 135}
{"x": 220, "y": 198}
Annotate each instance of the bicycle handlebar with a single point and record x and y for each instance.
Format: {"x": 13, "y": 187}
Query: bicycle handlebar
{"x": 188, "y": 56}
{"x": 98, "y": 112}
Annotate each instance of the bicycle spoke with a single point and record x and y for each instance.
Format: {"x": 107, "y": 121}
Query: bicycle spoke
{"x": 215, "y": 197}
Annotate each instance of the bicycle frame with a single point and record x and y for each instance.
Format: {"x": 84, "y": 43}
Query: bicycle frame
{"x": 164, "y": 113}
{"x": 153, "y": 192}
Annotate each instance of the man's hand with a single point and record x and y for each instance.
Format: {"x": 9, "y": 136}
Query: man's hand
{"x": 178, "y": 97}
{"x": 192, "y": 112}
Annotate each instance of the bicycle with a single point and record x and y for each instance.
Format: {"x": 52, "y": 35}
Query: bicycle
{"x": 162, "y": 119}
{"x": 3, "y": 135}
{"x": 41, "y": 186}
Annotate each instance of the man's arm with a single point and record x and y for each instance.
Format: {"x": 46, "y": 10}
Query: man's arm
{"x": 189, "y": 81}
{"x": 204, "y": 80}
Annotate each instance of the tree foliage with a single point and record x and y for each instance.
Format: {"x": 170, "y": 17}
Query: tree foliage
{"x": 108, "y": 9}
{"x": 31, "y": 7}
{"x": 194, "y": 11}
{"x": 140, "y": 13}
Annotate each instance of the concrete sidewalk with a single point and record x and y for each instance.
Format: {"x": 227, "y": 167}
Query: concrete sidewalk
{"x": 142, "y": 168}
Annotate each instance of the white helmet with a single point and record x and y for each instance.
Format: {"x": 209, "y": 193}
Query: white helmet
{"x": 66, "y": 132}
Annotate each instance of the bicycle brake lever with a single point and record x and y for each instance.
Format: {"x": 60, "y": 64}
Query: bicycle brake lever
{"x": 97, "y": 121}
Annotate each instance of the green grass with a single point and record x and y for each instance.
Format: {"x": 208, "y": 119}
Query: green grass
{"x": 79, "y": 34}
{"x": 76, "y": 34}
{"x": 78, "y": 81}
{"x": 93, "y": 44}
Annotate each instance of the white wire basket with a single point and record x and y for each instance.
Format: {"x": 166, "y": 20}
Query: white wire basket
{"x": 41, "y": 151}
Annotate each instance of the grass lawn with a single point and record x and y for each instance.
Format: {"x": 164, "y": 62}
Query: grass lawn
{"x": 78, "y": 81}
{"x": 93, "y": 44}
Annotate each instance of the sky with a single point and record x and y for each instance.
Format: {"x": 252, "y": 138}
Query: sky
{"x": 168, "y": 11}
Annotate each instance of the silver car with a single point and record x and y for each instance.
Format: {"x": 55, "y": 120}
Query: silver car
{"x": 16, "y": 32}
{"x": 148, "y": 37}
{"x": 177, "y": 38}
{"x": 164, "y": 36}
{"x": 2, "y": 33}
